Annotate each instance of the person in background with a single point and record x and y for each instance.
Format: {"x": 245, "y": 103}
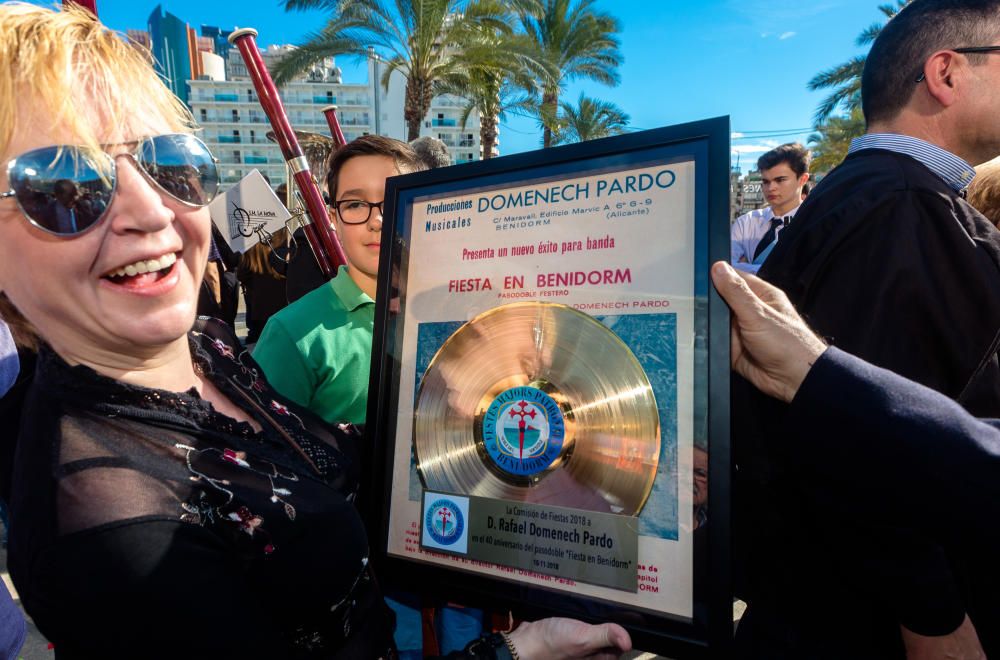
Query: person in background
{"x": 317, "y": 351}
{"x": 261, "y": 273}
{"x": 454, "y": 624}
{"x": 432, "y": 151}
{"x": 984, "y": 193}
{"x": 889, "y": 261}
{"x": 167, "y": 502}
{"x": 219, "y": 295}
{"x": 784, "y": 172}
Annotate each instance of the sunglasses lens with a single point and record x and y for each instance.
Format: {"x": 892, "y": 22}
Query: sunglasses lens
{"x": 182, "y": 165}
{"x": 61, "y": 189}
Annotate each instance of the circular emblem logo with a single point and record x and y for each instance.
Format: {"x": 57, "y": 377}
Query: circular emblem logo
{"x": 523, "y": 431}
{"x": 444, "y": 522}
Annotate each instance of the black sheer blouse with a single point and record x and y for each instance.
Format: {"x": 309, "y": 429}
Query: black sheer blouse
{"x": 146, "y": 524}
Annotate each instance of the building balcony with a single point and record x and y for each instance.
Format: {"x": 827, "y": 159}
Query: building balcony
{"x": 466, "y": 143}
{"x": 444, "y": 122}
{"x": 440, "y": 101}
{"x": 229, "y": 139}
{"x": 256, "y": 160}
{"x": 227, "y": 98}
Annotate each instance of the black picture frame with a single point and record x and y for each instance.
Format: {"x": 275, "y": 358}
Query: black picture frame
{"x": 709, "y": 632}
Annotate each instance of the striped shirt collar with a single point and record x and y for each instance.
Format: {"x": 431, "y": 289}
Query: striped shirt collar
{"x": 950, "y": 168}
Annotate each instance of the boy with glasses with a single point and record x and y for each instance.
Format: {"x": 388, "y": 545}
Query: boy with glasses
{"x": 317, "y": 351}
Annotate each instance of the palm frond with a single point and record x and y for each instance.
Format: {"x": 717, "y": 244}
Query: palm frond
{"x": 317, "y": 47}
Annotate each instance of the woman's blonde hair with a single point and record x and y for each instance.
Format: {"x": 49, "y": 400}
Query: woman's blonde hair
{"x": 84, "y": 79}
{"x": 984, "y": 193}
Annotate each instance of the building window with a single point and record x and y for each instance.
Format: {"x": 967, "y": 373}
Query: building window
{"x": 204, "y": 114}
{"x": 236, "y": 115}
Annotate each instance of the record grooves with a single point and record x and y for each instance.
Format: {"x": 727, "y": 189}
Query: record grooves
{"x": 538, "y": 402}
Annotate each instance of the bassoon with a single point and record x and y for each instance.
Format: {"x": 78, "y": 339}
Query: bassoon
{"x": 320, "y": 234}
{"x": 330, "y": 112}
{"x": 90, "y": 5}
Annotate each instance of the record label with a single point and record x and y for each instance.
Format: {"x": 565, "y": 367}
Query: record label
{"x": 444, "y": 522}
{"x": 538, "y": 402}
{"x": 523, "y": 431}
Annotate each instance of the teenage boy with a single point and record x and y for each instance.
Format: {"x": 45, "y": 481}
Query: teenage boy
{"x": 784, "y": 171}
{"x": 317, "y": 351}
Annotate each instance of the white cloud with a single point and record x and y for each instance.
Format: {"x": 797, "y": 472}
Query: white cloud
{"x": 786, "y": 35}
{"x": 758, "y": 148}
{"x": 765, "y": 35}
{"x": 735, "y": 135}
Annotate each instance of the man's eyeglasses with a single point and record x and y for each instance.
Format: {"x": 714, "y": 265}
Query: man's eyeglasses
{"x": 357, "y": 211}
{"x": 64, "y": 190}
{"x": 966, "y": 50}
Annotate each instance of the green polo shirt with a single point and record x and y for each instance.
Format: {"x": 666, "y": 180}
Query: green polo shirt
{"x": 317, "y": 351}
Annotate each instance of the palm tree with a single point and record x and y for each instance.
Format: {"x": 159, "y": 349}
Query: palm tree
{"x": 845, "y": 79}
{"x": 832, "y": 139}
{"x": 588, "y": 120}
{"x": 499, "y": 77}
{"x": 422, "y": 39}
{"x": 493, "y": 94}
{"x": 576, "y": 41}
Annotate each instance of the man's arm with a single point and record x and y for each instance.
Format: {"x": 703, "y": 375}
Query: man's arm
{"x": 876, "y": 433}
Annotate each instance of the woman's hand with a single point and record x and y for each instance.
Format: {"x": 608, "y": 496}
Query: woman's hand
{"x": 559, "y": 638}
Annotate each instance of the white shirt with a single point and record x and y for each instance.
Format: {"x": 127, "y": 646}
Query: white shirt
{"x": 746, "y": 233}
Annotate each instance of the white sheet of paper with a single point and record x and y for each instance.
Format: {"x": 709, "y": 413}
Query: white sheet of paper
{"x": 247, "y": 210}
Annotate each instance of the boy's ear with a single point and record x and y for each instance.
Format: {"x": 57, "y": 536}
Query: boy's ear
{"x": 804, "y": 179}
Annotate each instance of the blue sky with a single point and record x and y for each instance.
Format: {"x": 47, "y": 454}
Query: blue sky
{"x": 750, "y": 59}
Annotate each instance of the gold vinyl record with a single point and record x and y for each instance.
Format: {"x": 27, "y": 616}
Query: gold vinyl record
{"x": 538, "y": 402}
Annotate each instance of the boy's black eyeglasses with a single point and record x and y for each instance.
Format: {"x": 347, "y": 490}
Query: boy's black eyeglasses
{"x": 63, "y": 190}
{"x": 357, "y": 211}
{"x": 966, "y": 50}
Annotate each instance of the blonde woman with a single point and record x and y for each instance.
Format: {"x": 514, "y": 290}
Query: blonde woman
{"x": 166, "y": 501}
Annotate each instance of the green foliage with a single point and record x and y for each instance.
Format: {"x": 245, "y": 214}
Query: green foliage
{"x": 575, "y": 41}
{"x": 501, "y": 55}
{"x": 845, "y": 79}
{"x": 590, "y": 119}
{"x": 832, "y": 139}
{"x": 424, "y": 40}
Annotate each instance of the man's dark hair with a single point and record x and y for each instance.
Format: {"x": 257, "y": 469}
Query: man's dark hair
{"x": 923, "y": 27}
{"x": 432, "y": 151}
{"x": 793, "y": 154}
{"x": 405, "y": 157}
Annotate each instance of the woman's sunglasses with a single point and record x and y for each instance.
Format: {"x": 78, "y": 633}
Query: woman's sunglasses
{"x": 62, "y": 190}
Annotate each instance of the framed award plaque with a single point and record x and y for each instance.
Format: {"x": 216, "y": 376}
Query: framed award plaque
{"x": 549, "y": 408}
